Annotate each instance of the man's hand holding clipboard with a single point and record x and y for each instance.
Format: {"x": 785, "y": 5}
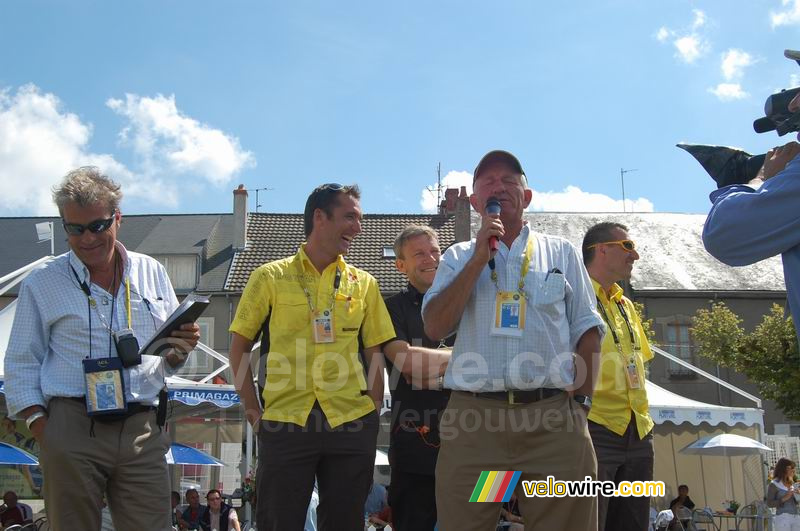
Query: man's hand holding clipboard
{"x": 179, "y": 334}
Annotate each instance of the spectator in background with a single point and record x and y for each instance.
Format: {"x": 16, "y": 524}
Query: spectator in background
{"x": 10, "y": 433}
{"x": 218, "y": 516}
{"x": 176, "y": 512}
{"x": 782, "y": 496}
{"x": 15, "y": 512}
{"x": 683, "y": 500}
{"x": 190, "y": 519}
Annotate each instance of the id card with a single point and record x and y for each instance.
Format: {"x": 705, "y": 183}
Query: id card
{"x": 509, "y": 314}
{"x": 632, "y": 375}
{"x": 323, "y": 327}
{"x": 105, "y": 387}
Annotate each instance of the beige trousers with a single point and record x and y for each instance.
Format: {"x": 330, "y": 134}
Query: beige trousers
{"x": 124, "y": 460}
{"x": 545, "y": 438}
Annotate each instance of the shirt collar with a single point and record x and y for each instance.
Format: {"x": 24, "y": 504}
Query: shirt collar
{"x": 306, "y": 264}
{"x": 83, "y": 271}
{"x": 616, "y": 292}
{"x": 413, "y": 293}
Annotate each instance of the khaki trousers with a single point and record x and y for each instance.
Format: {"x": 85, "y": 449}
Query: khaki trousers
{"x": 124, "y": 460}
{"x": 545, "y": 438}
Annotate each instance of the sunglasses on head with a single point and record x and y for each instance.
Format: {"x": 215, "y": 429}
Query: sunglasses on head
{"x": 628, "y": 245}
{"x": 95, "y": 227}
{"x": 330, "y": 187}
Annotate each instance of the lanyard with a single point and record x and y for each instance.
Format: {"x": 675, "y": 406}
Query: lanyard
{"x": 337, "y": 279}
{"x": 526, "y": 262}
{"x": 611, "y": 328}
{"x": 92, "y": 304}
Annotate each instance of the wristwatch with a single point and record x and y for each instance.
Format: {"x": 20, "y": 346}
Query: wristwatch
{"x": 585, "y": 401}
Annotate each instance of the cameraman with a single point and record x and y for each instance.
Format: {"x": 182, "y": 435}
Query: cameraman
{"x": 749, "y": 223}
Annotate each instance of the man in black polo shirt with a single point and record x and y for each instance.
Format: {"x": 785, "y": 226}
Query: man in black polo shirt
{"x": 416, "y": 368}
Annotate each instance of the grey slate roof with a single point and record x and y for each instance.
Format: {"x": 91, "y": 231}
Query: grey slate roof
{"x": 205, "y": 235}
{"x": 671, "y": 250}
{"x": 274, "y": 236}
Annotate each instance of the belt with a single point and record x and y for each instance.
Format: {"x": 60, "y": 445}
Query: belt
{"x": 520, "y": 397}
{"x": 134, "y": 408}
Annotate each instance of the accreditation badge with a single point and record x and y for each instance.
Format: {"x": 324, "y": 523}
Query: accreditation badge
{"x": 323, "y": 327}
{"x": 105, "y": 387}
{"x": 509, "y": 314}
{"x": 632, "y": 374}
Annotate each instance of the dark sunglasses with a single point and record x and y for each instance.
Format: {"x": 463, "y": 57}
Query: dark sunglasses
{"x": 628, "y": 245}
{"x": 95, "y": 227}
{"x": 330, "y": 187}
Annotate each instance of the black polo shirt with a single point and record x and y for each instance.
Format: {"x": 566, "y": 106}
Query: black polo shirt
{"x": 414, "y": 440}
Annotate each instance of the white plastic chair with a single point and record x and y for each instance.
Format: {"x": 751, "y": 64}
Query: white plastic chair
{"x": 663, "y": 520}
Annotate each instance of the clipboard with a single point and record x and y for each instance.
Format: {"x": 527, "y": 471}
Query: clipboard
{"x": 188, "y": 311}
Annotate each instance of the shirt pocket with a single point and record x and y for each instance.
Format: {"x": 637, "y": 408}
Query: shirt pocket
{"x": 289, "y": 314}
{"x": 348, "y": 315}
{"x": 547, "y": 289}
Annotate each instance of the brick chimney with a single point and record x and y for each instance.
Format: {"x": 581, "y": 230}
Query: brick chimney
{"x": 239, "y": 218}
{"x": 463, "y": 230}
{"x": 448, "y": 205}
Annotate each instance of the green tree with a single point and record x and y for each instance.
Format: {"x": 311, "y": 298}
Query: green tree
{"x": 768, "y": 356}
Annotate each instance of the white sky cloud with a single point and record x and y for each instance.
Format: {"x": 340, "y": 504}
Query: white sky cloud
{"x": 734, "y": 62}
{"x": 573, "y": 199}
{"x": 794, "y": 80}
{"x": 689, "y": 48}
{"x": 167, "y": 139}
{"x": 790, "y": 14}
{"x": 699, "y": 19}
{"x": 40, "y": 143}
{"x": 728, "y": 92}
{"x": 690, "y": 43}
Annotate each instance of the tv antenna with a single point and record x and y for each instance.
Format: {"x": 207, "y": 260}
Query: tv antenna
{"x": 256, "y": 190}
{"x": 438, "y": 188}
{"x": 622, "y": 173}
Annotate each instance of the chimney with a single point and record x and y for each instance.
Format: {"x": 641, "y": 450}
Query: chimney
{"x": 239, "y": 218}
{"x": 463, "y": 229}
{"x": 448, "y": 206}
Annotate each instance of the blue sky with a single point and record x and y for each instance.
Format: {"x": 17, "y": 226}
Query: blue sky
{"x": 183, "y": 100}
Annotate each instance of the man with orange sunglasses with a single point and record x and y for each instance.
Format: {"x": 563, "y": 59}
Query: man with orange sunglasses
{"x": 619, "y": 421}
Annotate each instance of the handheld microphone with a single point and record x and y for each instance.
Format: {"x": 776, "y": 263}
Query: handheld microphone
{"x": 493, "y": 208}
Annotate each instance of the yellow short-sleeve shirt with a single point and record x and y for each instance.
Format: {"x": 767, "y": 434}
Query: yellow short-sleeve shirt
{"x": 300, "y": 371}
{"x": 613, "y": 401}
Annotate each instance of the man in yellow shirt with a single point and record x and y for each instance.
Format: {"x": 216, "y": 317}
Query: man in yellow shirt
{"x": 619, "y": 420}
{"x": 325, "y": 322}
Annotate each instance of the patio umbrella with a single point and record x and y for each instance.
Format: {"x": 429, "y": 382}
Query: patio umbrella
{"x": 725, "y": 445}
{"x": 11, "y": 455}
{"x": 180, "y": 454}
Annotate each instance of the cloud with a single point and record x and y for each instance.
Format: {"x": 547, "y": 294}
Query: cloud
{"x": 728, "y": 92}
{"x": 168, "y": 141}
{"x": 453, "y": 179}
{"x": 789, "y": 16}
{"x": 573, "y": 199}
{"x": 794, "y": 80}
{"x": 689, "y": 43}
{"x": 41, "y": 142}
{"x": 734, "y": 62}
{"x": 689, "y": 48}
{"x": 699, "y": 19}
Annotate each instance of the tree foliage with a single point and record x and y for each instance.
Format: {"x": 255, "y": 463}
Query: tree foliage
{"x": 768, "y": 356}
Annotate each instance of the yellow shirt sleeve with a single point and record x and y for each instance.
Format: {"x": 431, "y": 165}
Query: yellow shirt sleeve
{"x": 255, "y": 304}
{"x": 377, "y": 327}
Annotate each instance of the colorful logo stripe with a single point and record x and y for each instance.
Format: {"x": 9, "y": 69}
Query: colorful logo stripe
{"x": 495, "y": 486}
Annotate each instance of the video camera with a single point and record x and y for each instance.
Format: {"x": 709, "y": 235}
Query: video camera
{"x": 728, "y": 165}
